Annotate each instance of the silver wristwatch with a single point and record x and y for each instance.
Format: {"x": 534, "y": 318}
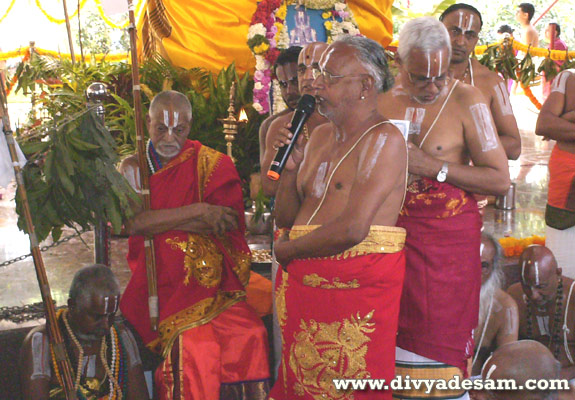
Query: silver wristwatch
{"x": 442, "y": 174}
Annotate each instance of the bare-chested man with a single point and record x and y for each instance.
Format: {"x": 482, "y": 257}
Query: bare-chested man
{"x": 524, "y": 15}
{"x": 338, "y": 302}
{"x": 524, "y": 362}
{"x": 546, "y": 306}
{"x": 464, "y": 22}
{"x": 440, "y": 299}
{"x": 285, "y": 70}
{"x": 557, "y": 121}
{"x": 308, "y": 60}
{"x": 87, "y": 324}
{"x": 498, "y": 317}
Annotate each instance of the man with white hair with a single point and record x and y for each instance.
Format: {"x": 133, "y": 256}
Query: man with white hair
{"x": 498, "y": 317}
{"x": 440, "y": 298}
{"x": 343, "y": 261}
{"x": 213, "y": 344}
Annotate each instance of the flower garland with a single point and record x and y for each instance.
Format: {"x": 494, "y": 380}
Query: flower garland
{"x": 116, "y": 375}
{"x": 56, "y": 20}
{"x": 14, "y": 79}
{"x": 268, "y": 34}
{"x": 107, "y": 20}
{"x": 111, "y": 23}
{"x": 8, "y": 10}
{"x": 513, "y": 247}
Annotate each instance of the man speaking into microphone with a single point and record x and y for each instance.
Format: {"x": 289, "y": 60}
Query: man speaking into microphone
{"x": 342, "y": 260}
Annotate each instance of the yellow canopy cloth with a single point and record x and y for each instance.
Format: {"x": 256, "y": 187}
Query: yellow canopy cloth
{"x": 374, "y": 19}
{"x": 212, "y": 34}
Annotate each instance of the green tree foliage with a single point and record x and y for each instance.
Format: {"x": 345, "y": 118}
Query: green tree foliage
{"x": 98, "y": 38}
{"x": 71, "y": 176}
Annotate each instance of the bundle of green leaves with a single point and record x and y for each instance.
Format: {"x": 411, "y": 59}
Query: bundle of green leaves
{"x": 71, "y": 178}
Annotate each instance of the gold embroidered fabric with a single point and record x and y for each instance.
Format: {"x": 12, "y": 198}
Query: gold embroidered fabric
{"x": 198, "y": 314}
{"x": 208, "y": 160}
{"x": 419, "y": 189}
{"x": 316, "y": 281}
{"x": 281, "y": 300}
{"x": 326, "y": 351}
{"x": 203, "y": 259}
{"x": 380, "y": 239}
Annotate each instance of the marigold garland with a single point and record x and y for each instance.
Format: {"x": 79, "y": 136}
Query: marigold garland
{"x": 513, "y": 247}
{"x": 8, "y": 10}
{"x": 14, "y": 79}
{"x": 56, "y": 20}
{"x": 530, "y": 95}
{"x": 107, "y": 20}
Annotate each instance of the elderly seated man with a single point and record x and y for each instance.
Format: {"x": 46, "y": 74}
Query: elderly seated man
{"x": 213, "y": 343}
{"x": 498, "y": 318}
{"x": 95, "y": 345}
{"x": 546, "y": 305}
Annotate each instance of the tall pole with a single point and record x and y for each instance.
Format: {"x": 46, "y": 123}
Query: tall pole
{"x": 545, "y": 12}
{"x": 55, "y": 336}
{"x": 143, "y": 167}
{"x": 96, "y": 93}
{"x": 69, "y": 30}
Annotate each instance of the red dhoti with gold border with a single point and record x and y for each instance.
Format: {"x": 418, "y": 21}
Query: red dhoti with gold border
{"x": 440, "y": 299}
{"x": 338, "y": 317}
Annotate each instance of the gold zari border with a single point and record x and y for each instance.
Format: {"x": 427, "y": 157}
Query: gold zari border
{"x": 198, "y": 314}
{"x": 380, "y": 239}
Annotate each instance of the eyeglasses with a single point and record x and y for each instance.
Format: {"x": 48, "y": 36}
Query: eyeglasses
{"x": 328, "y": 77}
{"x": 422, "y": 81}
{"x": 285, "y": 84}
{"x": 456, "y": 32}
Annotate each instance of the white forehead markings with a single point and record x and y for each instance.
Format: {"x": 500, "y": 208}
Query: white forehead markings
{"x": 481, "y": 248}
{"x": 107, "y": 304}
{"x": 428, "y": 58}
{"x": 560, "y": 82}
{"x": 173, "y": 123}
{"x": 503, "y": 98}
{"x": 463, "y": 20}
{"x": 490, "y": 371}
{"x": 484, "y": 125}
{"x": 523, "y": 265}
{"x": 327, "y": 57}
{"x": 470, "y": 22}
{"x": 536, "y": 265}
{"x": 313, "y": 56}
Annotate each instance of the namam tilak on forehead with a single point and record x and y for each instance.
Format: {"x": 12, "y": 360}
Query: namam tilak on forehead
{"x": 171, "y": 119}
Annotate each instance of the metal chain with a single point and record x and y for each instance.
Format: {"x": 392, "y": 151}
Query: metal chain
{"x": 44, "y": 248}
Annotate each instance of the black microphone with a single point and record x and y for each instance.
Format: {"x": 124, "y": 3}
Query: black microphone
{"x": 302, "y": 112}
